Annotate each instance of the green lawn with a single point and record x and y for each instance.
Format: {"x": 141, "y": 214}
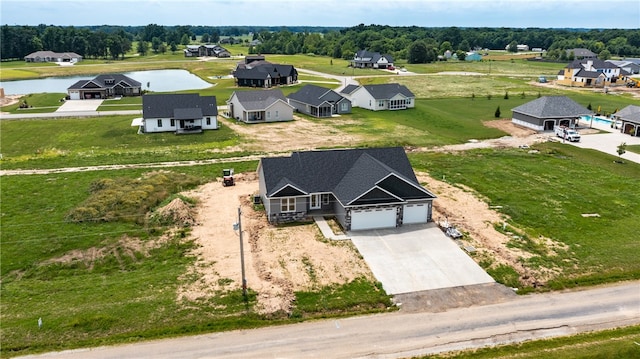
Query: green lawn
{"x": 100, "y": 141}
{"x": 545, "y": 194}
{"x": 117, "y": 291}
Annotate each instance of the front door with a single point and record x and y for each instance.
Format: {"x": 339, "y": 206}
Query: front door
{"x": 315, "y": 202}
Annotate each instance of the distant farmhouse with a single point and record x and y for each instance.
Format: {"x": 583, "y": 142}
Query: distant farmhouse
{"x": 256, "y": 106}
{"x": 104, "y": 86}
{"x": 178, "y": 113}
{"x": 581, "y": 53}
{"x": 255, "y": 71}
{"x": 206, "y": 50}
{"x": 50, "y": 56}
{"x": 374, "y": 60}
{"x": 391, "y": 96}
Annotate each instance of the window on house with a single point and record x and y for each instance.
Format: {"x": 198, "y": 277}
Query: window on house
{"x": 208, "y": 121}
{"x": 344, "y": 106}
{"x": 380, "y": 103}
{"x": 277, "y": 114}
{"x": 288, "y": 204}
{"x": 268, "y": 115}
{"x": 159, "y": 122}
{"x": 173, "y": 122}
{"x": 325, "y": 198}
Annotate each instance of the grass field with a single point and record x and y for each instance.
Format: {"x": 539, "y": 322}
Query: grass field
{"x": 129, "y": 294}
{"x": 554, "y": 189}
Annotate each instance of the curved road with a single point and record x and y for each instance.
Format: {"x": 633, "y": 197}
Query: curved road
{"x": 402, "y": 335}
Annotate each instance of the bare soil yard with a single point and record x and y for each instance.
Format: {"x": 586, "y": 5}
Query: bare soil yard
{"x": 278, "y": 260}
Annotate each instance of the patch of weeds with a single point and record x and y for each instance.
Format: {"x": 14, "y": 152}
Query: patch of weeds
{"x": 308, "y": 266}
{"x": 225, "y": 281}
{"x": 126, "y": 199}
{"x": 504, "y": 274}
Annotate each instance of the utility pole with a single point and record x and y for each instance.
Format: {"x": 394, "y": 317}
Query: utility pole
{"x": 239, "y": 227}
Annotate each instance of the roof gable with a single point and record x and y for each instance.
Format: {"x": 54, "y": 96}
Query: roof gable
{"x": 315, "y": 95}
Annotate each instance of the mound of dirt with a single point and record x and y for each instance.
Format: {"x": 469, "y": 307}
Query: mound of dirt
{"x": 179, "y": 212}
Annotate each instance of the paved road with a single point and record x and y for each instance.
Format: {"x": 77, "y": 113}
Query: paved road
{"x": 402, "y": 335}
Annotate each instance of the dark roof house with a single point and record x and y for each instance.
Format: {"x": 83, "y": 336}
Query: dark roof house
{"x": 104, "y": 86}
{"x": 544, "y": 113}
{"x": 319, "y": 101}
{"x": 364, "y": 188}
{"x": 375, "y": 60}
{"x": 179, "y": 113}
{"x": 261, "y": 73}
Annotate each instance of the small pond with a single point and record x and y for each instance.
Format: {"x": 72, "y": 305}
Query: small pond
{"x": 157, "y": 81}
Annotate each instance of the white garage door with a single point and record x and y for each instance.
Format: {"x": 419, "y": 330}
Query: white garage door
{"x": 415, "y": 213}
{"x": 373, "y": 218}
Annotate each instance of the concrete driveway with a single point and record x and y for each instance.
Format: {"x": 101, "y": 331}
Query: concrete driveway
{"x": 609, "y": 142}
{"x": 415, "y": 258}
{"x": 79, "y": 105}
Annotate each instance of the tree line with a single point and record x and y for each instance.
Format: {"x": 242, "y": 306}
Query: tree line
{"x": 414, "y": 44}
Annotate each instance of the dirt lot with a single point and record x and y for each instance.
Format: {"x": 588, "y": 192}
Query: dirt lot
{"x": 298, "y": 135}
{"x": 278, "y": 261}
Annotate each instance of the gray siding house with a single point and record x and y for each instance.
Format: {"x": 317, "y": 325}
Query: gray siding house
{"x": 544, "y": 113}
{"x": 319, "y": 101}
{"x": 256, "y": 106}
{"x": 363, "y": 188}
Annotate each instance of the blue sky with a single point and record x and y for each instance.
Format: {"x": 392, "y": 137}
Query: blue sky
{"x": 623, "y": 14}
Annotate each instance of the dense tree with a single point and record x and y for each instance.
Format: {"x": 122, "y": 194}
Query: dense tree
{"x": 418, "y": 52}
{"x": 97, "y": 41}
{"x": 604, "y": 55}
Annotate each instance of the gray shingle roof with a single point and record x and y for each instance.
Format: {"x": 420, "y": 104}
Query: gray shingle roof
{"x": 315, "y": 95}
{"x": 552, "y": 107}
{"x": 259, "y": 99}
{"x": 165, "y": 105}
{"x": 108, "y": 81}
{"x": 346, "y": 173}
{"x": 387, "y": 91}
{"x": 349, "y": 89}
{"x": 630, "y": 113}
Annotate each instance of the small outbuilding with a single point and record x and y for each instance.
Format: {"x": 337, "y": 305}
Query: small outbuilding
{"x": 630, "y": 119}
{"x": 544, "y": 113}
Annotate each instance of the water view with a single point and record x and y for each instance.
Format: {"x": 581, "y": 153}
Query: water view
{"x": 152, "y": 80}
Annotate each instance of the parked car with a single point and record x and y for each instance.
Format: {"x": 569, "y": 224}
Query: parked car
{"x": 567, "y": 133}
